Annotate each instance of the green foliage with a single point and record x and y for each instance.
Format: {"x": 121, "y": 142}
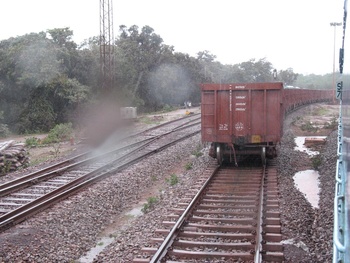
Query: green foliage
{"x": 188, "y": 166}
{"x": 288, "y": 77}
{"x": 32, "y": 142}
{"x": 149, "y": 120}
{"x": 173, "y": 180}
{"x": 61, "y": 132}
{"x": 333, "y": 125}
{"x": 308, "y": 126}
{"x": 56, "y": 149}
{"x": 198, "y": 152}
{"x": 39, "y": 116}
{"x": 151, "y": 201}
{"x": 321, "y": 111}
{"x": 296, "y": 119}
{"x": 167, "y": 108}
{"x": 6, "y": 167}
{"x": 4, "y": 130}
{"x": 316, "y": 162}
{"x": 313, "y": 81}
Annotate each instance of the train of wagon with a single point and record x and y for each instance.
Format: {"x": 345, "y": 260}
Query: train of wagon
{"x": 241, "y": 119}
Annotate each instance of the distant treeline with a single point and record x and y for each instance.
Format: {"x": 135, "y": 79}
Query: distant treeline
{"x": 48, "y": 79}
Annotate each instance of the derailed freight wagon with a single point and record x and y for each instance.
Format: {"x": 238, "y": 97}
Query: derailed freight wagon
{"x": 242, "y": 119}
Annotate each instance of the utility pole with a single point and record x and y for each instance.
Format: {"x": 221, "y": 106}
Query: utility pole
{"x": 334, "y": 24}
{"x": 106, "y": 45}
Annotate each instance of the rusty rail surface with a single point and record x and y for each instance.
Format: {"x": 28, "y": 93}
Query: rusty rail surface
{"x": 20, "y": 204}
{"x": 233, "y": 217}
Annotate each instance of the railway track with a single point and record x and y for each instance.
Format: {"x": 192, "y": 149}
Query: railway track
{"x": 25, "y": 196}
{"x": 231, "y": 216}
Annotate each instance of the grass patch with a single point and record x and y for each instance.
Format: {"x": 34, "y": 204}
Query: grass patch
{"x": 321, "y": 111}
{"x": 308, "y": 126}
{"x": 197, "y": 152}
{"x": 56, "y": 149}
{"x": 151, "y": 201}
{"x": 173, "y": 180}
{"x": 316, "y": 162}
{"x": 149, "y": 120}
{"x": 32, "y": 142}
{"x": 333, "y": 125}
{"x": 114, "y": 235}
{"x": 167, "y": 108}
{"x": 188, "y": 166}
{"x": 60, "y": 133}
{"x": 296, "y": 119}
{"x": 6, "y": 168}
{"x": 40, "y": 160}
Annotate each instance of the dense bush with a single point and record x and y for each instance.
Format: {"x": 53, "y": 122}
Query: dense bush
{"x": 61, "y": 132}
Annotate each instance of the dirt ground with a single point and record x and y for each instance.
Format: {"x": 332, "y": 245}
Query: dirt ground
{"x": 318, "y": 119}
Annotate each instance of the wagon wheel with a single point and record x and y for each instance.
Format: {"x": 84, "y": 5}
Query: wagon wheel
{"x": 219, "y": 154}
{"x": 263, "y": 155}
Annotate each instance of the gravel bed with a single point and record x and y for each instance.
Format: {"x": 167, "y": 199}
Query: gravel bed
{"x": 66, "y": 231}
{"x": 69, "y": 229}
{"x": 310, "y": 229}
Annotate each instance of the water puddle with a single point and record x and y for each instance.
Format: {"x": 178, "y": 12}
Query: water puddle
{"x": 299, "y": 244}
{"x": 101, "y": 245}
{"x": 307, "y": 181}
{"x": 108, "y": 238}
{"x": 300, "y": 144}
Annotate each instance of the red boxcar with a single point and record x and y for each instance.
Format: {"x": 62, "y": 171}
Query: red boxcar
{"x": 242, "y": 118}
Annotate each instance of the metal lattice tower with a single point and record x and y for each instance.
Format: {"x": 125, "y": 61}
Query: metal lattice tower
{"x": 106, "y": 45}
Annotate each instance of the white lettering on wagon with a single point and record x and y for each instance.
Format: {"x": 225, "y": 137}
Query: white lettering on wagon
{"x": 223, "y": 127}
{"x": 240, "y": 97}
{"x": 239, "y": 87}
{"x": 240, "y": 109}
{"x": 240, "y": 103}
{"x": 239, "y": 126}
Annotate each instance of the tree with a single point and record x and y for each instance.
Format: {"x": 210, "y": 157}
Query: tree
{"x": 138, "y": 54}
{"x": 256, "y": 71}
{"x": 205, "y": 56}
{"x": 66, "y": 49}
{"x": 37, "y": 79}
{"x": 288, "y": 76}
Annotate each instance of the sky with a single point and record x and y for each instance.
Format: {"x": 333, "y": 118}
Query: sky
{"x": 288, "y": 33}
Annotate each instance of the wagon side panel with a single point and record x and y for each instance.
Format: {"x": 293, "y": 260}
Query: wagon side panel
{"x": 258, "y": 117}
{"x": 208, "y": 118}
{"x": 274, "y": 116}
{"x": 223, "y": 109}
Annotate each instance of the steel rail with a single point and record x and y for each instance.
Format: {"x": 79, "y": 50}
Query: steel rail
{"x": 253, "y": 217}
{"x": 4, "y": 188}
{"x": 259, "y": 239}
{"x": 43, "y": 202}
{"x": 22, "y": 182}
{"x": 41, "y": 171}
{"x": 173, "y": 233}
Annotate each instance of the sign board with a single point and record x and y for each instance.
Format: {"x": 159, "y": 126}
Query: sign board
{"x": 339, "y": 90}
